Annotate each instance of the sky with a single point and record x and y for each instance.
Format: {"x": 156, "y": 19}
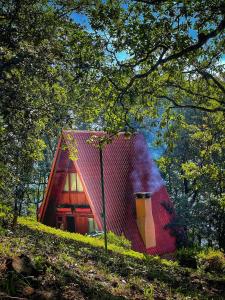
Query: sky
{"x": 81, "y": 20}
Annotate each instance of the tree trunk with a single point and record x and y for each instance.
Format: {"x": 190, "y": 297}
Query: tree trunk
{"x": 15, "y": 215}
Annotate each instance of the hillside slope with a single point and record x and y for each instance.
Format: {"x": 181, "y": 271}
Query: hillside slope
{"x": 70, "y": 266}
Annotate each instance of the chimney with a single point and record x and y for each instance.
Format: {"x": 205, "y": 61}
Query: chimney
{"x": 145, "y": 221}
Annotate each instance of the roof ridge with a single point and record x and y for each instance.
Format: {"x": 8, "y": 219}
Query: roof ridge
{"x": 82, "y": 131}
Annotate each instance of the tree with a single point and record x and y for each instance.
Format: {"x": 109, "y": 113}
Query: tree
{"x": 44, "y": 56}
{"x": 159, "y": 53}
{"x": 194, "y": 170}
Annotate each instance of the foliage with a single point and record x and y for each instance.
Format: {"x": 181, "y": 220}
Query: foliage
{"x": 5, "y": 218}
{"x": 70, "y": 143}
{"x": 149, "y": 292}
{"x": 159, "y": 54}
{"x": 211, "y": 260}
{"x": 41, "y": 65}
{"x": 194, "y": 171}
{"x": 39, "y": 262}
{"x": 120, "y": 241}
{"x": 175, "y": 226}
{"x": 187, "y": 257}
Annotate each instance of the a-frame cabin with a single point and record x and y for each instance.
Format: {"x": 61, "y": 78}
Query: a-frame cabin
{"x": 134, "y": 192}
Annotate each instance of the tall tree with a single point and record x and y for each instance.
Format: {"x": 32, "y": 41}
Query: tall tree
{"x": 159, "y": 52}
{"x": 44, "y": 56}
{"x": 193, "y": 167}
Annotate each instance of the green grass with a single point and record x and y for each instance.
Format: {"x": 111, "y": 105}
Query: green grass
{"x": 95, "y": 242}
{"x": 65, "y": 258}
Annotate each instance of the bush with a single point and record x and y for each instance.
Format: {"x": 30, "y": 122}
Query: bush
{"x": 211, "y": 260}
{"x": 5, "y": 218}
{"x": 118, "y": 240}
{"x": 187, "y": 257}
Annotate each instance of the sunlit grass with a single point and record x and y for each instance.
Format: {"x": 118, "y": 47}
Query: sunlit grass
{"x": 95, "y": 242}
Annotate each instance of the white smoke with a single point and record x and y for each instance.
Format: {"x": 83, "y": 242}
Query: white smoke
{"x": 145, "y": 176}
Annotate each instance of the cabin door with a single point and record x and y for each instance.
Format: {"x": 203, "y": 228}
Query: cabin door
{"x": 81, "y": 224}
{"x": 70, "y": 223}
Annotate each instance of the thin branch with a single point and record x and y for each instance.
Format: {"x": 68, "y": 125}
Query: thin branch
{"x": 154, "y": 67}
{"x": 138, "y": 62}
{"x": 193, "y": 93}
{"x": 202, "y": 39}
{"x": 208, "y": 75}
{"x": 151, "y": 2}
{"x": 177, "y": 105}
{"x": 143, "y": 75}
{"x": 11, "y": 297}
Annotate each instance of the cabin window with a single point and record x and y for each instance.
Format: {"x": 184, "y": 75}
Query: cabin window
{"x": 73, "y": 183}
{"x": 79, "y": 184}
{"x": 66, "y": 187}
{"x": 92, "y": 225}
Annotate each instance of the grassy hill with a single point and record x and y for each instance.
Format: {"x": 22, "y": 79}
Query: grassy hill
{"x": 72, "y": 266}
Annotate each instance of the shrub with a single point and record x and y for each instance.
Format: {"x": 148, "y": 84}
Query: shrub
{"x": 118, "y": 240}
{"x": 5, "y": 218}
{"x": 187, "y": 257}
{"x": 211, "y": 260}
{"x": 39, "y": 262}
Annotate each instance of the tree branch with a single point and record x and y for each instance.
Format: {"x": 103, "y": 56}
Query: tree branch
{"x": 202, "y": 39}
{"x": 193, "y": 93}
{"x": 208, "y": 75}
{"x": 142, "y": 75}
{"x": 151, "y": 2}
{"x": 177, "y": 105}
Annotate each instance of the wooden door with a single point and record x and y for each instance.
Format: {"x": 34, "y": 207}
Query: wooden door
{"x": 82, "y": 224}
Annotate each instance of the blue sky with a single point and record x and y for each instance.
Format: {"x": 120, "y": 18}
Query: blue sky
{"x": 81, "y": 20}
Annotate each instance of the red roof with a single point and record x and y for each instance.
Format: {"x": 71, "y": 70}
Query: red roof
{"x": 128, "y": 168}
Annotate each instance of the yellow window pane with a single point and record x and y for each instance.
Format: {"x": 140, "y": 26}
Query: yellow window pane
{"x": 79, "y": 184}
{"x": 73, "y": 183}
{"x": 66, "y": 186}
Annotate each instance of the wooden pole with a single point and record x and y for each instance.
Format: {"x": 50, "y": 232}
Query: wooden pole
{"x": 103, "y": 199}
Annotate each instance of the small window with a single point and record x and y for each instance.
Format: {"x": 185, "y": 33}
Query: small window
{"x": 79, "y": 184}
{"x": 73, "y": 182}
{"x": 66, "y": 186}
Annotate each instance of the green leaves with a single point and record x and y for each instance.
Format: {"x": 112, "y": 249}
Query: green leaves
{"x": 44, "y": 57}
{"x": 194, "y": 171}
{"x": 70, "y": 143}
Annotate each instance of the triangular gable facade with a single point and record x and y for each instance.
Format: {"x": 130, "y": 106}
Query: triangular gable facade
{"x": 73, "y": 202}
